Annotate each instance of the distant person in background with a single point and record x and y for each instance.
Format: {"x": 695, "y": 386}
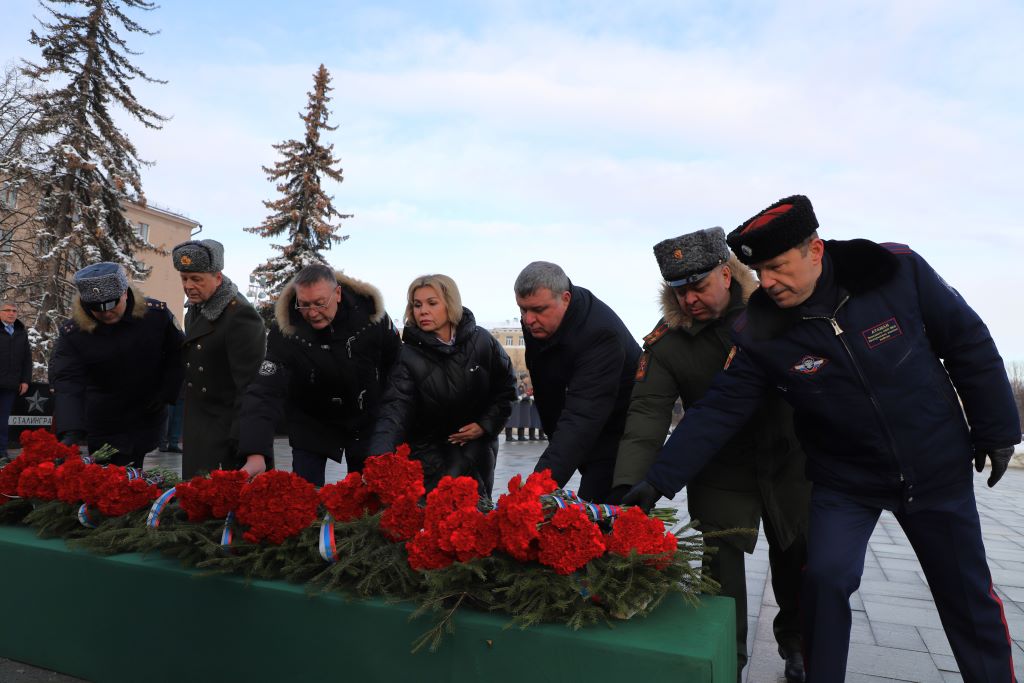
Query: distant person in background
{"x": 329, "y": 353}
{"x": 224, "y": 344}
{"x": 581, "y": 360}
{"x": 451, "y": 390}
{"x": 170, "y": 435}
{"x": 15, "y": 366}
{"x": 116, "y": 366}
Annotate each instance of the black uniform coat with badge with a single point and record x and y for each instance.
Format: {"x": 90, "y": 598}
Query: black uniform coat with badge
{"x": 15, "y": 357}
{"x": 582, "y": 378}
{"x": 225, "y": 341}
{"x": 328, "y": 382}
{"x": 760, "y": 470}
{"x": 116, "y": 380}
{"x": 438, "y": 388}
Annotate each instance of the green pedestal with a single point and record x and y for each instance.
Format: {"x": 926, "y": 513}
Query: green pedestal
{"x": 144, "y": 619}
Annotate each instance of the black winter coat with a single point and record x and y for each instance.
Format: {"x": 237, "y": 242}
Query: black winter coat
{"x": 328, "y": 383}
{"x": 15, "y": 357}
{"x": 111, "y": 379}
{"x": 582, "y": 379}
{"x": 893, "y": 385}
{"x": 436, "y": 389}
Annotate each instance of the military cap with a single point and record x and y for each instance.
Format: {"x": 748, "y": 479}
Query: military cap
{"x": 101, "y": 285}
{"x": 691, "y": 257}
{"x": 199, "y": 256}
{"x": 780, "y": 227}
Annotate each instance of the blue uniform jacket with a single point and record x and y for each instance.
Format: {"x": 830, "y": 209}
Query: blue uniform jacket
{"x": 871, "y": 385}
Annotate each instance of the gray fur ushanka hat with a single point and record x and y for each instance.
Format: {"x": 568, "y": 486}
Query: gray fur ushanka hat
{"x": 199, "y": 256}
{"x": 691, "y": 257}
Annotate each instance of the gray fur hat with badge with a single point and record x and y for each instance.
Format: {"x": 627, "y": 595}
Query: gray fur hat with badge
{"x": 691, "y": 257}
{"x": 101, "y": 285}
{"x": 199, "y": 256}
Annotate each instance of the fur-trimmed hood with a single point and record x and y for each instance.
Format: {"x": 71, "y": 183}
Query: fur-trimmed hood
{"x": 676, "y": 318}
{"x": 87, "y": 323}
{"x": 284, "y": 309}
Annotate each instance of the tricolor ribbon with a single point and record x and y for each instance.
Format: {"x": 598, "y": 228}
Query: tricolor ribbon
{"x": 328, "y": 548}
{"x": 132, "y": 473}
{"x": 153, "y": 518}
{"x": 88, "y": 517}
{"x": 227, "y": 535}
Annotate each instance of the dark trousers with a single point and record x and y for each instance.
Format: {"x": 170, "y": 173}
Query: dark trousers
{"x": 947, "y": 540}
{"x": 170, "y": 434}
{"x": 312, "y": 466}
{"x": 7, "y": 397}
{"x": 131, "y": 444}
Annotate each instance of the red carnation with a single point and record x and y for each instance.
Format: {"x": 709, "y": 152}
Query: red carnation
{"x": 402, "y": 519}
{"x": 569, "y": 541}
{"x": 519, "y": 513}
{"x": 473, "y": 534}
{"x": 635, "y": 531}
{"x": 424, "y": 553}
{"x": 202, "y": 498}
{"x": 69, "y": 480}
{"x": 349, "y": 498}
{"x": 276, "y": 505}
{"x": 453, "y": 527}
{"x": 38, "y": 481}
{"x": 394, "y": 475}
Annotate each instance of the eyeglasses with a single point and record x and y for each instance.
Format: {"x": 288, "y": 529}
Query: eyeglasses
{"x": 313, "y": 306}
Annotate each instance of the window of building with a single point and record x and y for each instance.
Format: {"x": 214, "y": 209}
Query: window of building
{"x": 508, "y": 341}
{"x": 6, "y": 241}
{"x": 142, "y": 230}
{"x": 522, "y": 341}
{"x": 8, "y": 196}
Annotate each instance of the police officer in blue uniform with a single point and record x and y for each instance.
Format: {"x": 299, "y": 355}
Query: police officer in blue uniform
{"x": 897, "y": 388}
{"x": 116, "y": 366}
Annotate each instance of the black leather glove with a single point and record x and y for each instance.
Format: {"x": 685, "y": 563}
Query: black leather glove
{"x": 614, "y": 496}
{"x": 643, "y": 495}
{"x": 1000, "y": 458}
{"x": 74, "y": 438}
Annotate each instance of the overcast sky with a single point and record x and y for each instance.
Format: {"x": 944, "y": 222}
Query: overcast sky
{"x": 476, "y": 137}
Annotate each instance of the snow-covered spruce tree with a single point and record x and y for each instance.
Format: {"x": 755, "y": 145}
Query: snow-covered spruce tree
{"x": 304, "y": 211}
{"x": 89, "y": 168}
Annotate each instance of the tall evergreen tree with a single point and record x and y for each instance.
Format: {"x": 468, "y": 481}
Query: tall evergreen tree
{"x": 89, "y": 168}
{"x": 304, "y": 211}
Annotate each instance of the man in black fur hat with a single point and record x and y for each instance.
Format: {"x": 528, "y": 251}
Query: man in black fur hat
{"x": 897, "y": 388}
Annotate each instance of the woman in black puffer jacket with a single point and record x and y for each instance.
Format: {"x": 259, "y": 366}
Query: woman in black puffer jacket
{"x": 450, "y": 391}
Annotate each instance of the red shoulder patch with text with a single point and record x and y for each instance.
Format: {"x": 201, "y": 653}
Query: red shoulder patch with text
{"x": 641, "y": 367}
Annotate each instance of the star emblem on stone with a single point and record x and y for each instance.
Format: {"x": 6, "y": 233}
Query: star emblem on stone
{"x": 35, "y": 402}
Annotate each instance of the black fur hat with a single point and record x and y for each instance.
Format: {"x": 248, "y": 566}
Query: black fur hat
{"x": 781, "y": 226}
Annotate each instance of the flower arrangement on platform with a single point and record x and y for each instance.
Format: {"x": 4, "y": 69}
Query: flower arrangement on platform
{"x": 538, "y": 553}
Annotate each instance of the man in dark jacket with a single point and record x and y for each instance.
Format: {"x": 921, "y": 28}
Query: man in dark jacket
{"x": 896, "y": 387}
{"x": 224, "y": 344}
{"x": 581, "y": 360}
{"x": 759, "y": 473}
{"x": 329, "y": 353}
{"x": 15, "y": 366}
{"x": 116, "y": 366}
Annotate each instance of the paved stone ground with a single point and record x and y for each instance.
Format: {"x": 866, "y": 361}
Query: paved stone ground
{"x": 896, "y": 631}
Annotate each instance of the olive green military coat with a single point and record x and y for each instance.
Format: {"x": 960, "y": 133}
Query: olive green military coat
{"x": 761, "y": 470}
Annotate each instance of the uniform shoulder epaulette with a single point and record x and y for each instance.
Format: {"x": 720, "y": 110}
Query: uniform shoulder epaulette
{"x": 897, "y": 248}
{"x": 657, "y": 333}
{"x": 68, "y": 326}
{"x": 156, "y": 304}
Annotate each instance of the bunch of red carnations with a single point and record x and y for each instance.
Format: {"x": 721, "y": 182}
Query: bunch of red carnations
{"x": 211, "y": 497}
{"x": 38, "y": 446}
{"x": 275, "y": 506}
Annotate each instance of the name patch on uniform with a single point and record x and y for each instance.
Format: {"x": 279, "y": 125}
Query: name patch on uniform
{"x": 268, "y": 368}
{"x": 641, "y": 367}
{"x": 882, "y": 332}
{"x": 809, "y": 365}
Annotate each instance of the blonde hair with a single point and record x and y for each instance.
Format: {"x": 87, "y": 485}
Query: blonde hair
{"x": 445, "y": 288}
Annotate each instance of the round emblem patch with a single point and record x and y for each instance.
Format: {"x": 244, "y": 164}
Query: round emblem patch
{"x": 677, "y": 254}
{"x": 747, "y": 251}
{"x": 268, "y": 368}
{"x": 186, "y": 261}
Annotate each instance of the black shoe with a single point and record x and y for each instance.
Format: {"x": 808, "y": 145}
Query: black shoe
{"x": 162, "y": 448}
{"x": 174, "y": 449}
{"x": 794, "y": 670}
